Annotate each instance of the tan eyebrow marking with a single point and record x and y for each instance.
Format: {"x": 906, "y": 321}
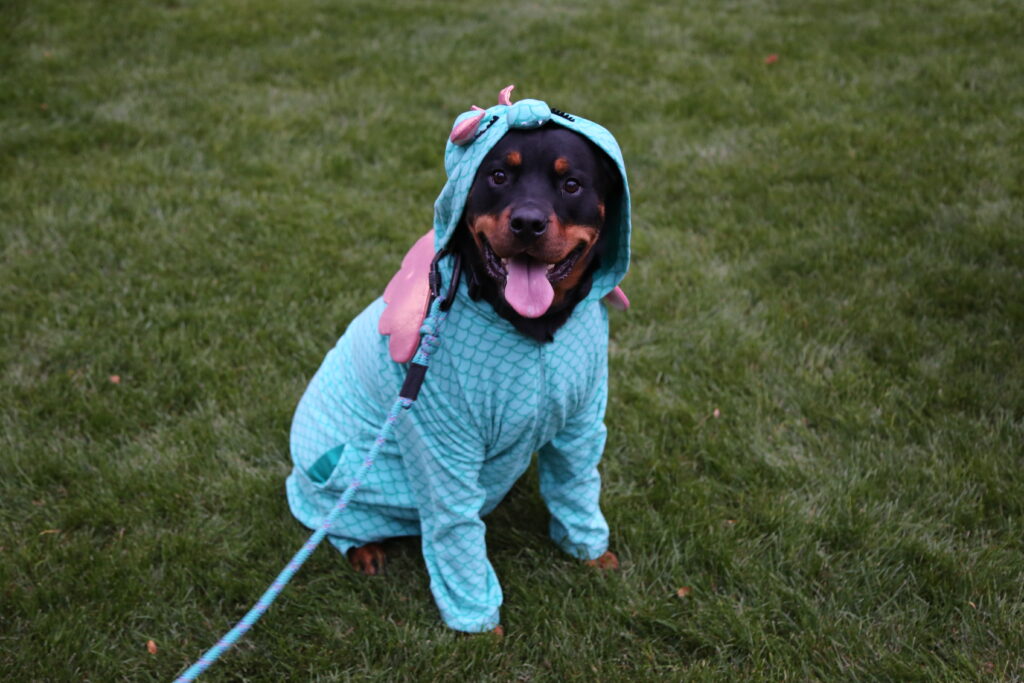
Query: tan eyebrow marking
{"x": 513, "y": 158}
{"x": 561, "y": 165}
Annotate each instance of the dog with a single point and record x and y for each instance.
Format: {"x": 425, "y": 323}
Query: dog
{"x": 531, "y": 232}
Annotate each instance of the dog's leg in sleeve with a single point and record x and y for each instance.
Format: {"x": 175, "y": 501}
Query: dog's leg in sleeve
{"x": 443, "y": 460}
{"x": 570, "y": 483}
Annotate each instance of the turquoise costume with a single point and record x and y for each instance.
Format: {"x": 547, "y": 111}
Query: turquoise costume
{"x": 492, "y": 398}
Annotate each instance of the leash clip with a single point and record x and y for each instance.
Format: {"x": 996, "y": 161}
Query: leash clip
{"x": 434, "y": 279}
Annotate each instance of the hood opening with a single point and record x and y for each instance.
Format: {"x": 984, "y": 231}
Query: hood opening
{"x": 479, "y": 131}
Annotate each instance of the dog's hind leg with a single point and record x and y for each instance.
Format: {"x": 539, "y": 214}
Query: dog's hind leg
{"x": 368, "y": 559}
{"x": 360, "y": 532}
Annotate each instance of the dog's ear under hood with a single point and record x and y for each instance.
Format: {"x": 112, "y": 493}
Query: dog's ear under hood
{"x": 474, "y": 134}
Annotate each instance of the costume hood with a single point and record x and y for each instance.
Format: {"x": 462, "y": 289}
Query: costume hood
{"x": 474, "y": 134}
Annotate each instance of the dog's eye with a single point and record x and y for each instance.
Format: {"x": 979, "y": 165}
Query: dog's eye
{"x": 572, "y": 186}
{"x": 498, "y": 177}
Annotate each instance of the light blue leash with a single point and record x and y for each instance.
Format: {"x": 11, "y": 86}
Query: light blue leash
{"x": 407, "y": 396}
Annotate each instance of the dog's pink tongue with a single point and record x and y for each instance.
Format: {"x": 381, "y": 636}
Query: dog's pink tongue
{"x": 527, "y": 289}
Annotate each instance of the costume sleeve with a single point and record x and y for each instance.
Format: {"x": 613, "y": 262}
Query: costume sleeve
{"x": 570, "y": 483}
{"x": 443, "y": 455}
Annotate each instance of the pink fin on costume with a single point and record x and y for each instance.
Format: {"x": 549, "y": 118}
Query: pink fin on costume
{"x": 406, "y": 297}
{"x": 617, "y": 299}
{"x": 505, "y": 96}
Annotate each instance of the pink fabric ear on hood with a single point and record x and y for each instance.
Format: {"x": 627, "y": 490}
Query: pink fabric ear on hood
{"x": 464, "y": 131}
{"x": 505, "y": 96}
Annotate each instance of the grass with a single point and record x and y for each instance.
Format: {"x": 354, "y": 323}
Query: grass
{"x": 816, "y": 417}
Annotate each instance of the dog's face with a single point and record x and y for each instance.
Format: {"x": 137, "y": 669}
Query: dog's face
{"x": 535, "y": 213}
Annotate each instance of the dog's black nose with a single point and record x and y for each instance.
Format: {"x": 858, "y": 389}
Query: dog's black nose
{"x": 528, "y": 223}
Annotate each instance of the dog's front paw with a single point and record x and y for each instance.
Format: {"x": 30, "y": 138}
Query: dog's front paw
{"x": 368, "y": 559}
{"x": 606, "y": 561}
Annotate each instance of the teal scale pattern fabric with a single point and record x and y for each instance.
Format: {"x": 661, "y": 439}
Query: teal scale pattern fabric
{"x": 492, "y": 398}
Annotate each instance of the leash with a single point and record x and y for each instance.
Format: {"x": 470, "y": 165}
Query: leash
{"x": 438, "y": 311}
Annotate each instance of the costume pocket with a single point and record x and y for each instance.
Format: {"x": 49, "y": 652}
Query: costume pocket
{"x": 325, "y": 470}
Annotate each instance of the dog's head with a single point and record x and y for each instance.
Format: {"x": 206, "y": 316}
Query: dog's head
{"x": 537, "y": 205}
{"x": 533, "y": 224}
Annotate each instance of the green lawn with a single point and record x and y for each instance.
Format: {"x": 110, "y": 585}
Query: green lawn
{"x": 817, "y": 401}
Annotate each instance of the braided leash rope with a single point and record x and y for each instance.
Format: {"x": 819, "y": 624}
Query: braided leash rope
{"x": 428, "y": 344}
